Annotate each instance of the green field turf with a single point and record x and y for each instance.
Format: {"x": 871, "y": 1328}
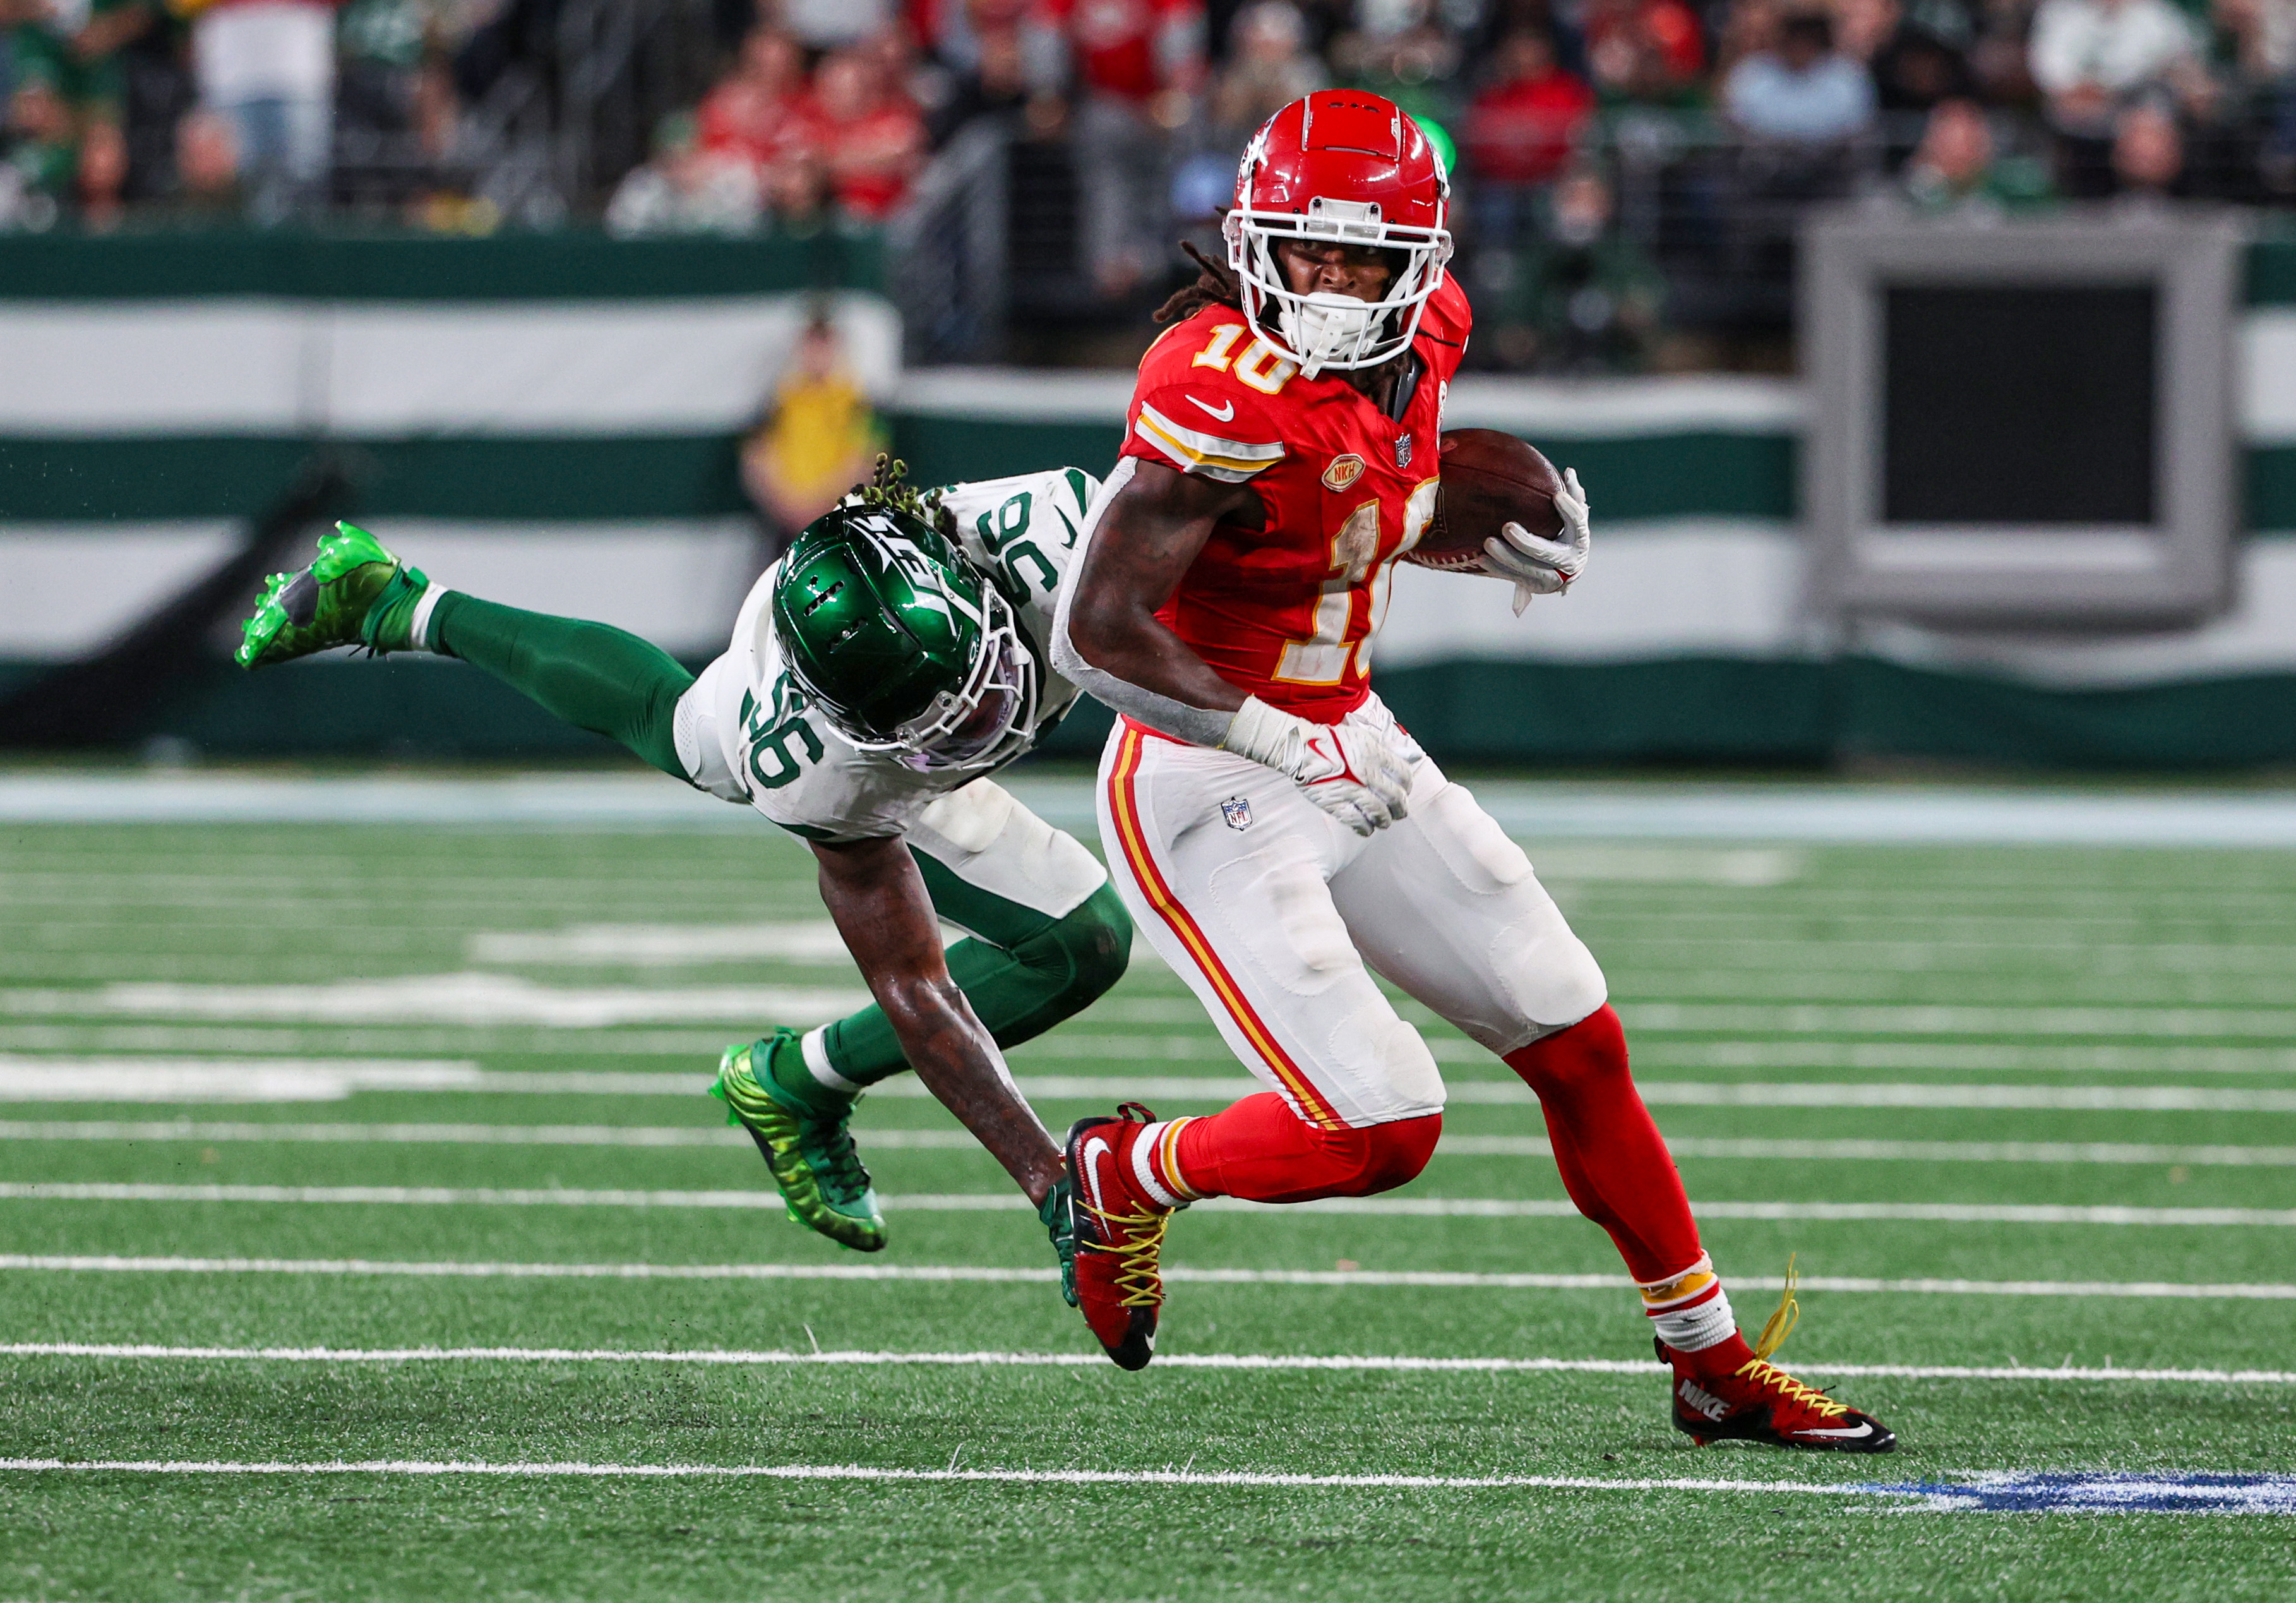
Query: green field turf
{"x": 404, "y": 1208}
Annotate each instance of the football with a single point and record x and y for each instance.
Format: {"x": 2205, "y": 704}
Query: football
{"x": 1489, "y": 478}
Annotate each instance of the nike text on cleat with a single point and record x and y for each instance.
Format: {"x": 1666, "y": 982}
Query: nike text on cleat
{"x": 354, "y": 593}
{"x": 1120, "y": 1234}
{"x": 1757, "y": 1402}
{"x": 808, "y": 1149}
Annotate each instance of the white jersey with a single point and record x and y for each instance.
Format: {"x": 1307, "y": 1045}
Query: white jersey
{"x": 773, "y": 749}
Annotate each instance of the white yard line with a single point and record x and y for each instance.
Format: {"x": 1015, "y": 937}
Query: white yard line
{"x": 307, "y": 1080}
{"x": 468, "y": 997}
{"x": 1806, "y": 1018}
{"x": 476, "y": 998}
{"x": 171, "y": 1042}
{"x": 1958, "y": 1057}
{"x": 664, "y": 945}
{"x": 861, "y": 1472}
{"x": 447, "y": 1135}
{"x": 958, "y": 1140}
{"x": 1889, "y": 815}
{"x": 1448, "y": 1207}
{"x": 1371, "y": 1363}
{"x": 178, "y": 1079}
{"x": 1916, "y": 1152}
{"x": 1424, "y": 1279}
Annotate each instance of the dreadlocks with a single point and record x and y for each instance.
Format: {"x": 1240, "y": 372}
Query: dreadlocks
{"x": 1216, "y": 285}
{"x": 886, "y": 489}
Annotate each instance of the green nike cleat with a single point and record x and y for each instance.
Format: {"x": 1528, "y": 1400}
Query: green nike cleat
{"x": 810, "y": 1154}
{"x": 1058, "y": 1212}
{"x": 354, "y": 593}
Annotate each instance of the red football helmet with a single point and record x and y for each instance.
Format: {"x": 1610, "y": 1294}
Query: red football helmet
{"x": 1338, "y": 165}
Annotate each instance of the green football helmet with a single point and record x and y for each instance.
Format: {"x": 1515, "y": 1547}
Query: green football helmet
{"x": 901, "y": 643}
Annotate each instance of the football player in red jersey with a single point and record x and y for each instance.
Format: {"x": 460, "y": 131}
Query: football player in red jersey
{"x": 1277, "y": 834}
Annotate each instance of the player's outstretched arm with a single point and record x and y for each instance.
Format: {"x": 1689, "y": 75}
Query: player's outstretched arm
{"x": 1108, "y": 640}
{"x": 879, "y": 900}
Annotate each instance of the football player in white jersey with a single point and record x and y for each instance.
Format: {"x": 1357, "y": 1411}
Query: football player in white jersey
{"x": 876, "y": 675}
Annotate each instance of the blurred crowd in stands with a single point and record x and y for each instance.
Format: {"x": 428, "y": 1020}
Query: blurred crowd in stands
{"x": 1623, "y": 164}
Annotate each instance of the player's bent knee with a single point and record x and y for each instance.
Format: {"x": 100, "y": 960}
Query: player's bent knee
{"x": 1588, "y": 1053}
{"x": 1092, "y": 945}
{"x": 1380, "y": 1157}
{"x": 1549, "y": 975}
{"x": 1383, "y": 1064}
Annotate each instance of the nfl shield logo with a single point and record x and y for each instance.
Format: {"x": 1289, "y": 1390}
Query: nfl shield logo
{"x": 1403, "y": 451}
{"x": 1237, "y": 812}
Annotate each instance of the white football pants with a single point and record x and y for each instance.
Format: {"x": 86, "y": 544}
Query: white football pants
{"x": 1275, "y": 914}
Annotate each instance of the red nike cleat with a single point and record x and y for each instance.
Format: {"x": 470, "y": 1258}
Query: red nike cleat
{"x": 1118, "y": 1234}
{"x": 1732, "y": 1392}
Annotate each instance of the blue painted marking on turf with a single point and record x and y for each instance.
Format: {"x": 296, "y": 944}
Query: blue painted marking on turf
{"x": 2158, "y": 1493}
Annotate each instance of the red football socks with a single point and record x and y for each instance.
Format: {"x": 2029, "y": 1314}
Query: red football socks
{"x": 1260, "y": 1149}
{"x": 1614, "y": 1163}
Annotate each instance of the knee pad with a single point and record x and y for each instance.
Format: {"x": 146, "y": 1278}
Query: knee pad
{"x": 1547, "y": 971}
{"x": 1393, "y": 1073}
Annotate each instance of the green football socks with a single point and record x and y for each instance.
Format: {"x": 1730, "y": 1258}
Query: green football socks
{"x": 591, "y": 675}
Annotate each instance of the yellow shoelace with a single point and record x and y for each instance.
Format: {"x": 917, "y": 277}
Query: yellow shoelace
{"x": 1779, "y": 1326}
{"x": 1781, "y": 1323}
{"x": 1140, "y": 1240}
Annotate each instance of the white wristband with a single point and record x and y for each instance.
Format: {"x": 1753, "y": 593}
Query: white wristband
{"x": 1268, "y": 734}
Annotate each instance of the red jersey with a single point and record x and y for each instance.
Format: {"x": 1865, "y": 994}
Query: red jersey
{"x": 1286, "y": 610}
{"x": 1132, "y": 48}
{"x": 1521, "y": 131}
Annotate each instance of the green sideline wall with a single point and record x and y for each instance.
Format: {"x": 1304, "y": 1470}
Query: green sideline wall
{"x": 553, "y": 421}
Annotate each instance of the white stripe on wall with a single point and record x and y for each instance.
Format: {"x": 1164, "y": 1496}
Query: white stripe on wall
{"x": 64, "y": 590}
{"x": 1704, "y": 587}
{"x": 617, "y": 367}
{"x": 157, "y": 367}
{"x": 676, "y": 583}
{"x": 621, "y": 367}
{"x": 2268, "y": 390}
{"x": 1569, "y": 409}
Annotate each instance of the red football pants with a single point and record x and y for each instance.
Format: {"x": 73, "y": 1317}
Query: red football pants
{"x": 1614, "y": 1163}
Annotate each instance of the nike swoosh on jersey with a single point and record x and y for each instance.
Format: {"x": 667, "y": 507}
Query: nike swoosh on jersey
{"x": 1092, "y": 1171}
{"x": 1226, "y": 414}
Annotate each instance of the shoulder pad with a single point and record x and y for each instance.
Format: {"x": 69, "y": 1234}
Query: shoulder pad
{"x": 1446, "y": 322}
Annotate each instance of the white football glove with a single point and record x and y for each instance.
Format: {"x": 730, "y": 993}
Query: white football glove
{"x": 1537, "y": 565}
{"x": 1356, "y": 771}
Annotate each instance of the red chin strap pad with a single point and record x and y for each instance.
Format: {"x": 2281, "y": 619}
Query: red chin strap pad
{"x": 1260, "y": 1149}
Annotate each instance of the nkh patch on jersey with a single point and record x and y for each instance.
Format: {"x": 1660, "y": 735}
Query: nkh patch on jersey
{"x": 1284, "y": 600}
